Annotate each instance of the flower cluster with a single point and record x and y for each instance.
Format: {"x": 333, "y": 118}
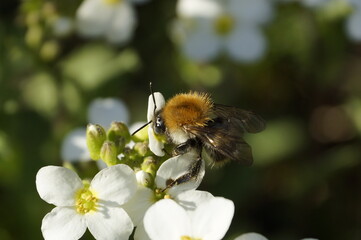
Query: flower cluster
{"x": 113, "y": 19}
{"x": 133, "y": 191}
{"x": 205, "y": 28}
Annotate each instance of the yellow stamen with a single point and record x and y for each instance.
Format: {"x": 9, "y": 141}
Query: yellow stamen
{"x": 167, "y": 196}
{"x": 85, "y": 201}
{"x": 223, "y": 25}
{"x": 189, "y": 238}
{"x": 112, "y": 2}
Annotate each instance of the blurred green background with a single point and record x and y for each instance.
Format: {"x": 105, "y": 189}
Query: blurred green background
{"x": 306, "y": 179}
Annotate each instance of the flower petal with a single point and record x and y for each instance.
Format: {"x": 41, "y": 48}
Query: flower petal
{"x": 251, "y": 11}
{"x": 198, "y": 8}
{"x": 159, "y": 102}
{"x": 104, "y": 111}
{"x": 212, "y": 219}
{"x": 201, "y": 43}
{"x": 353, "y": 26}
{"x": 166, "y": 220}
{"x": 122, "y": 25}
{"x": 250, "y": 236}
{"x": 93, "y": 17}
{"x": 109, "y": 223}
{"x": 191, "y": 199}
{"x": 155, "y": 145}
{"x": 140, "y": 233}
{"x": 138, "y": 205}
{"x": 74, "y": 146}
{"x": 246, "y": 44}
{"x": 175, "y": 167}
{"x": 116, "y": 184}
{"x": 58, "y": 185}
{"x": 63, "y": 223}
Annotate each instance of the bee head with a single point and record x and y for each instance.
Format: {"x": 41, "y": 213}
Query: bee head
{"x": 158, "y": 125}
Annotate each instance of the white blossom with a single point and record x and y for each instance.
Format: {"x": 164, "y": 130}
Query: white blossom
{"x": 104, "y": 111}
{"x": 206, "y": 28}
{"x": 74, "y": 146}
{"x": 79, "y": 205}
{"x": 251, "y": 236}
{"x": 167, "y": 220}
{"x": 170, "y": 169}
{"x": 113, "y": 19}
{"x": 353, "y": 25}
{"x": 101, "y": 111}
{"x": 257, "y": 236}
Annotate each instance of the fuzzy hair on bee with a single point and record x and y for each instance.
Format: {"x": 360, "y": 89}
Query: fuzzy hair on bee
{"x": 192, "y": 120}
{"x": 195, "y": 124}
{"x": 186, "y": 109}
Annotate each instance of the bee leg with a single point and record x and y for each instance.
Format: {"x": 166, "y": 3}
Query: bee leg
{"x": 192, "y": 174}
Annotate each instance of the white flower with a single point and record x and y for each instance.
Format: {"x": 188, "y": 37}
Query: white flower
{"x": 353, "y": 25}
{"x": 143, "y": 178}
{"x": 167, "y": 220}
{"x": 155, "y": 144}
{"x": 74, "y": 146}
{"x": 104, "y": 111}
{"x": 251, "y": 236}
{"x": 170, "y": 169}
{"x": 257, "y": 236}
{"x": 207, "y": 27}
{"x": 101, "y": 111}
{"x": 79, "y": 206}
{"x": 113, "y": 19}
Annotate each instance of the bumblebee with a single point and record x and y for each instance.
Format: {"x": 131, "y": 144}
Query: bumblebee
{"x": 192, "y": 121}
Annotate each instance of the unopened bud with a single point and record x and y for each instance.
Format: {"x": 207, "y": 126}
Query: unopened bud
{"x": 119, "y": 134}
{"x": 95, "y": 137}
{"x": 108, "y": 153}
{"x": 149, "y": 165}
{"x": 141, "y": 148}
{"x": 143, "y": 178}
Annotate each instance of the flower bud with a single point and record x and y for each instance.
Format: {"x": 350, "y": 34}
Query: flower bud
{"x": 119, "y": 134}
{"x": 143, "y": 178}
{"x": 141, "y": 148}
{"x": 108, "y": 153}
{"x": 149, "y": 165}
{"x": 95, "y": 137}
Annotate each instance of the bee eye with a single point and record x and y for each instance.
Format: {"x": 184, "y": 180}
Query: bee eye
{"x": 159, "y": 126}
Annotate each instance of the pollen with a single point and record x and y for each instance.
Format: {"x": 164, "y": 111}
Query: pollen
{"x": 189, "y": 238}
{"x": 187, "y": 109}
{"x": 85, "y": 201}
{"x": 223, "y": 25}
{"x": 112, "y": 2}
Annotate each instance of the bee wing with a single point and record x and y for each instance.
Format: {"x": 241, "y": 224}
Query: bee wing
{"x": 222, "y": 142}
{"x": 243, "y": 120}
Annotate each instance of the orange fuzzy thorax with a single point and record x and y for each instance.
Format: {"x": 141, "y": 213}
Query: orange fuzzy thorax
{"x": 187, "y": 109}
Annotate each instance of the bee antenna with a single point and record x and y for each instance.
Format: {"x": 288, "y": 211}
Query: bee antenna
{"x": 151, "y": 92}
{"x": 141, "y": 127}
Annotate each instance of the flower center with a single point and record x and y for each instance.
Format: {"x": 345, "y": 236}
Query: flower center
{"x": 85, "y": 200}
{"x": 160, "y": 194}
{"x": 224, "y": 24}
{"x": 112, "y": 2}
{"x": 189, "y": 238}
